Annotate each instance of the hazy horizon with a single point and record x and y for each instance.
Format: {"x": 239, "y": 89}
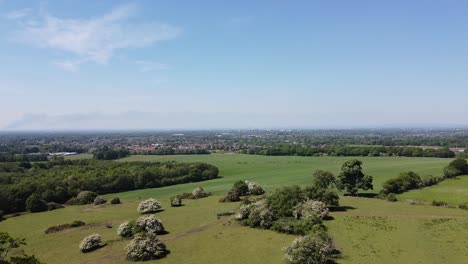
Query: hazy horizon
{"x": 74, "y": 65}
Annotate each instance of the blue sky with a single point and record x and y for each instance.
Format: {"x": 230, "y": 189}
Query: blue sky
{"x": 232, "y": 64}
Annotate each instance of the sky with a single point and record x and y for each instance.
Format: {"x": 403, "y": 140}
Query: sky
{"x": 69, "y": 65}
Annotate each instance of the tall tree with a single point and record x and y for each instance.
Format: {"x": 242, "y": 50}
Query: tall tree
{"x": 351, "y": 177}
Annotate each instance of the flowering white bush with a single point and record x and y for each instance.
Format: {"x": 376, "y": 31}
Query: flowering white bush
{"x": 244, "y": 212}
{"x": 146, "y": 247}
{"x": 254, "y": 188}
{"x": 176, "y": 201}
{"x": 199, "y": 193}
{"x": 125, "y": 229}
{"x": 150, "y": 224}
{"x": 311, "y": 208}
{"x": 99, "y": 200}
{"x": 312, "y": 249}
{"x": 91, "y": 243}
{"x": 149, "y": 206}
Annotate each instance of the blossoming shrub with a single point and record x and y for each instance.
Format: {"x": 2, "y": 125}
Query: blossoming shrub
{"x": 254, "y": 188}
{"x": 199, "y": 193}
{"x": 86, "y": 197}
{"x": 99, "y": 200}
{"x": 150, "y": 224}
{"x": 126, "y": 229}
{"x": 146, "y": 247}
{"x": 176, "y": 202}
{"x": 90, "y": 243}
{"x": 257, "y": 214}
{"x": 149, "y": 206}
{"x": 312, "y": 249}
{"x": 311, "y": 209}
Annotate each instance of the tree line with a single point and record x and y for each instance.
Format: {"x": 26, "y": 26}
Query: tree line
{"x": 375, "y": 151}
{"x": 59, "y": 180}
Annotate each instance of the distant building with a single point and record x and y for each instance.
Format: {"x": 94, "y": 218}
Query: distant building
{"x": 457, "y": 150}
{"x": 62, "y": 154}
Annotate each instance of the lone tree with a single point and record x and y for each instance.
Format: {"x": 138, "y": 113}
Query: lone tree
{"x": 352, "y": 178}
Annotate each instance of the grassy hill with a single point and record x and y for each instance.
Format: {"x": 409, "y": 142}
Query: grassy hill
{"x": 370, "y": 231}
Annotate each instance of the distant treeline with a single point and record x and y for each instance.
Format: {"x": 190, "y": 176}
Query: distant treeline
{"x": 58, "y": 180}
{"x": 106, "y": 153}
{"x": 375, "y": 151}
{"x": 22, "y": 157}
{"x": 171, "y": 151}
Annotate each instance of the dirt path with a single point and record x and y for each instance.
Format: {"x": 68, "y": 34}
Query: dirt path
{"x": 121, "y": 255}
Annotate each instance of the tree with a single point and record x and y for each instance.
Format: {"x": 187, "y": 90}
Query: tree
{"x": 324, "y": 179}
{"x": 35, "y": 204}
{"x": 283, "y": 200}
{"x": 351, "y": 177}
{"x": 7, "y": 243}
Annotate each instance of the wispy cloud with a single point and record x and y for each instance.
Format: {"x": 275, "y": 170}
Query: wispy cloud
{"x": 147, "y": 66}
{"x": 17, "y": 14}
{"x": 95, "y": 39}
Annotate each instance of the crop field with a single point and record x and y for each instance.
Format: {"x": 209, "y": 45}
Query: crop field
{"x": 368, "y": 231}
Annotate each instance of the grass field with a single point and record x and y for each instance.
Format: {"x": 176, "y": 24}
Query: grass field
{"x": 370, "y": 231}
{"x": 452, "y": 191}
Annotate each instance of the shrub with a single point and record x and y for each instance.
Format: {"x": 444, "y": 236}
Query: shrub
{"x": 283, "y": 200}
{"x": 149, "y": 206}
{"x": 325, "y": 195}
{"x": 86, "y": 197}
{"x": 244, "y": 211}
{"x": 90, "y": 243}
{"x": 115, "y": 200}
{"x": 99, "y": 200}
{"x": 199, "y": 193}
{"x": 391, "y": 197}
{"x": 35, "y": 204}
{"x": 58, "y": 228}
{"x": 310, "y": 209}
{"x": 241, "y": 188}
{"x": 146, "y": 247}
{"x": 260, "y": 215}
{"x": 312, "y": 249}
{"x": 54, "y": 206}
{"x": 404, "y": 182}
{"x": 254, "y": 188}
{"x": 232, "y": 196}
{"x": 439, "y": 203}
{"x": 150, "y": 224}
{"x": 176, "y": 202}
{"x": 451, "y": 171}
{"x": 463, "y": 206}
{"x": 126, "y": 229}
{"x": 291, "y": 225}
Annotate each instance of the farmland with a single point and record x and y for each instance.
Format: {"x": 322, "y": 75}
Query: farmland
{"x": 369, "y": 231}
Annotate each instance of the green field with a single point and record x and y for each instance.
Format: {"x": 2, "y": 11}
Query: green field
{"x": 452, "y": 191}
{"x": 370, "y": 231}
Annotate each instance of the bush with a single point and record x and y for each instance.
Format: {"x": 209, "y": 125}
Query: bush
{"x": 404, "y": 182}
{"x": 35, "y": 204}
{"x": 58, "y": 228}
{"x": 150, "y": 224}
{"x": 232, "y": 196}
{"x": 254, "y": 188}
{"x": 176, "y": 202}
{"x": 149, "y": 206}
{"x": 115, "y": 200}
{"x": 311, "y": 209}
{"x": 99, "y": 200}
{"x": 241, "y": 188}
{"x": 54, "y": 206}
{"x": 391, "y": 197}
{"x": 260, "y": 215}
{"x": 291, "y": 225}
{"x": 146, "y": 247}
{"x": 199, "y": 193}
{"x": 126, "y": 229}
{"x": 451, "y": 172}
{"x": 318, "y": 248}
{"x": 283, "y": 200}
{"x": 90, "y": 243}
{"x": 439, "y": 203}
{"x": 86, "y": 197}
{"x": 326, "y": 195}
{"x": 463, "y": 206}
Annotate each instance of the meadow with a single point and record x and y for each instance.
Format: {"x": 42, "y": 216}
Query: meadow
{"x": 368, "y": 231}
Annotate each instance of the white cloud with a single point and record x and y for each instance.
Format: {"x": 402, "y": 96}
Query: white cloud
{"x": 94, "y": 39}
{"x": 18, "y": 14}
{"x": 147, "y": 66}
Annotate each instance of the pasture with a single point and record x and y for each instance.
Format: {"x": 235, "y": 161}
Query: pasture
{"x": 368, "y": 231}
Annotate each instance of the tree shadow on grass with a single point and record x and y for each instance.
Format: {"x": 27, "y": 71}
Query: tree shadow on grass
{"x": 362, "y": 195}
{"x": 343, "y": 208}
